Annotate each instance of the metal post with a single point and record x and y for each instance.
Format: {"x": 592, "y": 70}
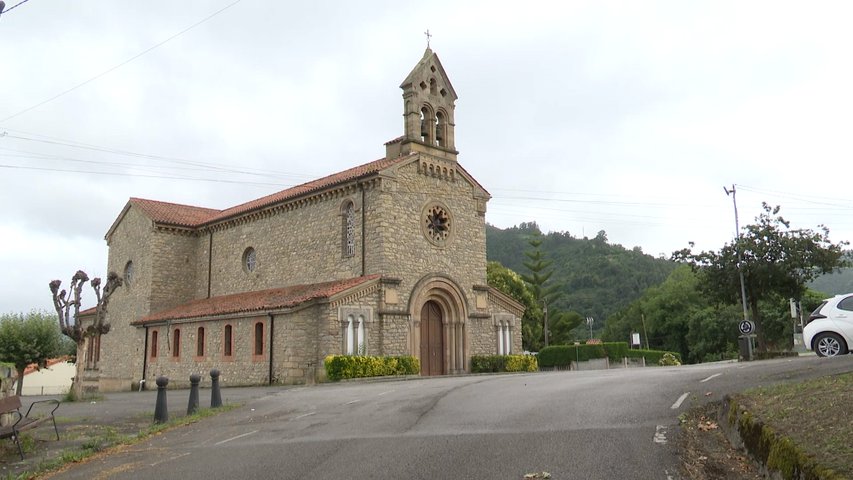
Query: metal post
{"x": 590, "y": 321}
{"x": 732, "y": 192}
{"x": 161, "y": 411}
{"x": 192, "y": 407}
{"x": 215, "y": 396}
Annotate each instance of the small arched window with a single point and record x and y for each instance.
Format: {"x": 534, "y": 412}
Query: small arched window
{"x": 199, "y": 342}
{"x": 176, "y": 343}
{"x": 348, "y": 236}
{"x": 350, "y": 333}
{"x": 259, "y": 338}
{"x": 154, "y": 335}
{"x": 433, "y": 87}
{"x": 227, "y": 341}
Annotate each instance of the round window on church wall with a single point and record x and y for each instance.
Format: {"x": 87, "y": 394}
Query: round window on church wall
{"x": 436, "y": 224}
{"x": 128, "y": 274}
{"x": 249, "y": 260}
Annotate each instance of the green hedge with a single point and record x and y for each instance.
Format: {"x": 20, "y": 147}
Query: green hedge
{"x": 339, "y": 367}
{"x": 564, "y": 355}
{"x": 503, "y": 363}
{"x": 652, "y": 357}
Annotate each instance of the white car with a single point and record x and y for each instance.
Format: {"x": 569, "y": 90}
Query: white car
{"x": 830, "y": 328}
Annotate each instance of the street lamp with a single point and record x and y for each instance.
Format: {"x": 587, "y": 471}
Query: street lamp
{"x": 545, "y": 310}
{"x": 590, "y": 321}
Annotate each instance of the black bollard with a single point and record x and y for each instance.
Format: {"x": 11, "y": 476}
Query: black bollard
{"x": 193, "y": 405}
{"x": 161, "y": 411}
{"x": 215, "y": 396}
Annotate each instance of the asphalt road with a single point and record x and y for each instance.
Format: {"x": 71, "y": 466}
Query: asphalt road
{"x": 607, "y": 424}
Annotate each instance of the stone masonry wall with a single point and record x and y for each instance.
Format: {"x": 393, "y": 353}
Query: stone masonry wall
{"x": 121, "y": 349}
{"x": 293, "y": 246}
{"x": 394, "y": 231}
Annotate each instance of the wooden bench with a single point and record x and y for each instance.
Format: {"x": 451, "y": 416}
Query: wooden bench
{"x": 12, "y": 405}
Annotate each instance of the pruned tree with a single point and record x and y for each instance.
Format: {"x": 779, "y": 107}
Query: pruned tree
{"x": 67, "y": 305}
{"x": 775, "y": 260}
{"x": 28, "y": 339}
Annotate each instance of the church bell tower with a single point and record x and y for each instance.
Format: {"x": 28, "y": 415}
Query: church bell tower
{"x": 428, "y": 102}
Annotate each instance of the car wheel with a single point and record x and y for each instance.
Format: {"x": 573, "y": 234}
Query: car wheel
{"x": 829, "y": 345}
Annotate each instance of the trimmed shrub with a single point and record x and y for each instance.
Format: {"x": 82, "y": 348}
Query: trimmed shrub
{"x": 564, "y": 355}
{"x": 503, "y": 363}
{"x": 653, "y": 357}
{"x": 339, "y": 367}
{"x": 521, "y": 363}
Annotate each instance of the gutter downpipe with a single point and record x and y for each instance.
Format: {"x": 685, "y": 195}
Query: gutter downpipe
{"x": 209, "y": 262}
{"x": 144, "y": 362}
{"x": 272, "y": 336}
{"x": 363, "y": 230}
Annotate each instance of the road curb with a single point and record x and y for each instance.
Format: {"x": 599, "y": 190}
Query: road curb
{"x": 777, "y": 455}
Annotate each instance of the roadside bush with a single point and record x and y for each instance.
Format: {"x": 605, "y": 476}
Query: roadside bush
{"x": 653, "y": 357}
{"x": 339, "y": 367}
{"x": 564, "y": 355}
{"x": 668, "y": 360}
{"x": 503, "y": 363}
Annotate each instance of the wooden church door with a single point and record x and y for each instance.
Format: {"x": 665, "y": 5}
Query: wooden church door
{"x": 432, "y": 340}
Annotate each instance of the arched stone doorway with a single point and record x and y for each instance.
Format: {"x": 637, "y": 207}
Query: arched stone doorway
{"x": 432, "y": 339}
{"x": 438, "y": 331}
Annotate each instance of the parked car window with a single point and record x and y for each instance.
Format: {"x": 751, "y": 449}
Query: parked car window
{"x": 846, "y": 304}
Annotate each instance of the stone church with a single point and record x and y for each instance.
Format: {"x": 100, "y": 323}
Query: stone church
{"x": 385, "y": 258}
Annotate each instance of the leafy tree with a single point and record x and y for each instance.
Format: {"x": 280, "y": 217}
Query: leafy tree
{"x": 562, "y": 326}
{"x": 28, "y": 339}
{"x": 68, "y": 310}
{"x": 510, "y": 283}
{"x": 775, "y": 260}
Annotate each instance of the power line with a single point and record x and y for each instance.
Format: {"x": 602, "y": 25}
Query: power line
{"x": 202, "y": 165}
{"x": 119, "y": 174}
{"x": 122, "y": 63}
{"x": 15, "y": 6}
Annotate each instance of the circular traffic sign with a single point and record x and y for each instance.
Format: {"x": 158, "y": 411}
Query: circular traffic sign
{"x": 746, "y": 327}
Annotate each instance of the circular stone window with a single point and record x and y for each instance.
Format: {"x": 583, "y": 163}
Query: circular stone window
{"x": 128, "y": 274}
{"x": 436, "y": 223}
{"x": 250, "y": 262}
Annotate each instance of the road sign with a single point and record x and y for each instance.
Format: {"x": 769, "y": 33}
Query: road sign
{"x": 746, "y": 327}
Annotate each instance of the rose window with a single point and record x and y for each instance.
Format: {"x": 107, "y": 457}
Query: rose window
{"x": 437, "y": 222}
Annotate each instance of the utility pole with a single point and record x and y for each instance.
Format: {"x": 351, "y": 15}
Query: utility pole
{"x": 732, "y": 192}
{"x": 545, "y": 310}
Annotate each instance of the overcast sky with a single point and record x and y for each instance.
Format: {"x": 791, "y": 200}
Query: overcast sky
{"x": 582, "y": 116}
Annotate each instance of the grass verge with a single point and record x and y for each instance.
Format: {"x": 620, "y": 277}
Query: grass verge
{"x": 799, "y": 426}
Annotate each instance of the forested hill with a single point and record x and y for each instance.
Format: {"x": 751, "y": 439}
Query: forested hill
{"x": 597, "y": 278}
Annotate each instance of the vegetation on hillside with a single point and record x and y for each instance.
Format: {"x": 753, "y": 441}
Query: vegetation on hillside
{"x": 595, "y": 278}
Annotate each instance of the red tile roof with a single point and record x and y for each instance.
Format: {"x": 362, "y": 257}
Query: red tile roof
{"x": 192, "y": 217}
{"x": 173, "y": 213}
{"x": 259, "y": 301}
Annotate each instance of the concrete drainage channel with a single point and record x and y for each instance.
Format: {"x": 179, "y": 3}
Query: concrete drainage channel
{"x": 777, "y": 455}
